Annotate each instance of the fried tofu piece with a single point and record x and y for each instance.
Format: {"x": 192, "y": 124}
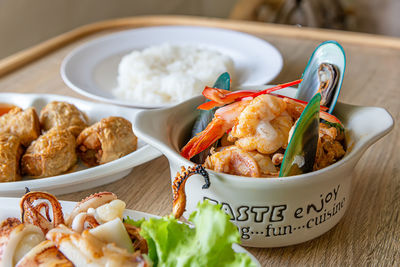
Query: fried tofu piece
{"x": 21, "y": 123}
{"x": 53, "y": 153}
{"x": 63, "y": 115}
{"x": 10, "y": 154}
{"x": 105, "y": 141}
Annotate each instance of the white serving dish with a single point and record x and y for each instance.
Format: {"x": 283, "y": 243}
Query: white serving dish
{"x": 10, "y": 208}
{"x": 262, "y": 207}
{"x": 91, "y": 69}
{"x": 83, "y": 178}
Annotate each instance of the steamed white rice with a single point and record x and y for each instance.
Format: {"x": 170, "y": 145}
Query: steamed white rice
{"x": 168, "y": 73}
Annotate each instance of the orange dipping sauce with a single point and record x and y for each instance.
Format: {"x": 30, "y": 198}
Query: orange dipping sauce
{"x": 5, "y": 108}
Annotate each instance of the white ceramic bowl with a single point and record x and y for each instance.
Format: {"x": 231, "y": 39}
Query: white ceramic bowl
{"x": 270, "y": 212}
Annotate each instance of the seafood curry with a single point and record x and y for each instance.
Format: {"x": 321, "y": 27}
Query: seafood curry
{"x": 250, "y": 131}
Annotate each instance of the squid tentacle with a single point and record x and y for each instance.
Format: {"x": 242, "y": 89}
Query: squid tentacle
{"x": 31, "y": 213}
{"x": 178, "y": 187}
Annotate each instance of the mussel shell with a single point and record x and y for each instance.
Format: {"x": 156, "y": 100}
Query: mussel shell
{"x": 205, "y": 116}
{"x": 329, "y": 52}
{"x": 223, "y": 81}
{"x": 300, "y": 154}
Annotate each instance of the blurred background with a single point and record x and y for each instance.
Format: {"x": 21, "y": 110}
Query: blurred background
{"x": 24, "y": 23}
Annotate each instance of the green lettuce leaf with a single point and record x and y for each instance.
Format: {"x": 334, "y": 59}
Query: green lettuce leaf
{"x": 133, "y": 222}
{"x": 209, "y": 243}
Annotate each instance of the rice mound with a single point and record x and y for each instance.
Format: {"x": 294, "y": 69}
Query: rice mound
{"x": 168, "y": 73}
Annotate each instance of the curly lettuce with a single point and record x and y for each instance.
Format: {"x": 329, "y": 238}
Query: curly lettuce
{"x": 208, "y": 243}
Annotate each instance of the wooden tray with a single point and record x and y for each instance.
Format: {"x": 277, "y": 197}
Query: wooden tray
{"x": 368, "y": 234}
{"x": 20, "y": 59}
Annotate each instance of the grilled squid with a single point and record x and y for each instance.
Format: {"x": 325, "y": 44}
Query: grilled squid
{"x": 101, "y": 214}
{"x": 93, "y": 217}
{"x": 86, "y": 249}
{"x": 44, "y": 254}
{"x": 16, "y": 239}
{"x": 98, "y": 236}
{"x": 31, "y": 212}
{"x": 138, "y": 242}
{"x": 91, "y": 202}
{"x": 178, "y": 187}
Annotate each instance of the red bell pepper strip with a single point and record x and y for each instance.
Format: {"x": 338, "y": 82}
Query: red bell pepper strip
{"x": 209, "y": 105}
{"x": 329, "y": 117}
{"x": 275, "y": 88}
{"x": 322, "y": 108}
{"x": 220, "y": 97}
{"x": 323, "y": 115}
{"x": 223, "y": 97}
{"x": 215, "y": 94}
{"x": 228, "y": 99}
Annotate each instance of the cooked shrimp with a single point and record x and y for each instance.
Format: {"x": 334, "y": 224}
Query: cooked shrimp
{"x": 224, "y": 119}
{"x": 265, "y": 164}
{"x": 263, "y": 107}
{"x": 263, "y": 125}
{"x": 295, "y": 108}
{"x": 233, "y": 160}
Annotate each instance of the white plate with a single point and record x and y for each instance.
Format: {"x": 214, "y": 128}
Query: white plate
{"x": 92, "y": 68}
{"x": 83, "y": 178}
{"x": 10, "y": 208}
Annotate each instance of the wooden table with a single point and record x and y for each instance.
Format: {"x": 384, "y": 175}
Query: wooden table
{"x": 369, "y": 233}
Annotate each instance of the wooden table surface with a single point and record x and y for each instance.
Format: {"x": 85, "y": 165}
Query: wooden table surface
{"x": 369, "y": 233}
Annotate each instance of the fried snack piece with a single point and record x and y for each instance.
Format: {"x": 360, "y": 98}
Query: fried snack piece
{"x": 21, "y": 123}
{"x": 105, "y": 141}
{"x": 5, "y": 108}
{"x": 10, "y": 154}
{"x": 51, "y": 154}
{"x": 63, "y": 115}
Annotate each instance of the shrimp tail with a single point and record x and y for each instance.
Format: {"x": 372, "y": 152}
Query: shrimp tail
{"x": 186, "y": 150}
{"x": 214, "y": 131}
